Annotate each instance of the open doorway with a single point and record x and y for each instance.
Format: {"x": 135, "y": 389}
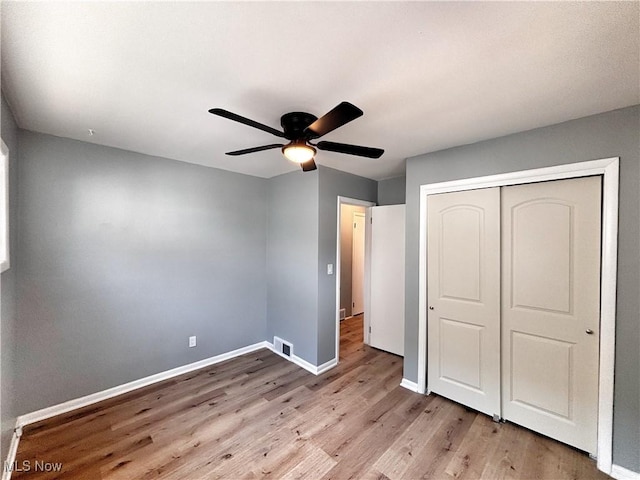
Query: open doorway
{"x": 352, "y": 274}
{"x": 352, "y": 237}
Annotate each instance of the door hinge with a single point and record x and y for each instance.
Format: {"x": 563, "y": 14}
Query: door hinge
{"x": 354, "y": 226}
{"x": 353, "y": 305}
{"x": 369, "y": 328}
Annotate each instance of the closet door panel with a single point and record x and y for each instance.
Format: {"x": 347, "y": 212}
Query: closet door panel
{"x": 550, "y": 308}
{"x": 464, "y": 297}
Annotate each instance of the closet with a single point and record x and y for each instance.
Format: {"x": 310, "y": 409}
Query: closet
{"x": 514, "y": 299}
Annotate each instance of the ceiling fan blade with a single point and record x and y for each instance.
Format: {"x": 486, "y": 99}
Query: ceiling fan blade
{"x": 339, "y": 116}
{"x": 246, "y": 121}
{"x": 255, "y": 149}
{"x": 350, "y": 149}
{"x": 308, "y": 166}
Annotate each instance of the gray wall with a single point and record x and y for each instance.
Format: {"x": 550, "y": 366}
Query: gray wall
{"x": 8, "y": 315}
{"x": 333, "y": 183}
{"x": 613, "y": 134}
{"x": 122, "y": 256}
{"x": 302, "y": 235}
{"x": 392, "y": 191}
{"x": 292, "y": 261}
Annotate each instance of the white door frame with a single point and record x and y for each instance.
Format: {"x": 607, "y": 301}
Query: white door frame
{"x": 609, "y": 169}
{"x": 367, "y": 265}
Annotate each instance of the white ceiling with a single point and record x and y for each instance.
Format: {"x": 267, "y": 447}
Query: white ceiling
{"x": 428, "y": 75}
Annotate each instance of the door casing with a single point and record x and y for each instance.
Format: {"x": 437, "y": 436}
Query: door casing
{"x": 609, "y": 169}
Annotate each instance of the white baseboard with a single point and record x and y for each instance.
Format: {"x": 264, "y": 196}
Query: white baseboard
{"x": 320, "y": 369}
{"x": 76, "y": 403}
{"x": 621, "y": 473}
{"x": 409, "y": 385}
{"x": 11, "y": 454}
{"x": 301, "y": 362}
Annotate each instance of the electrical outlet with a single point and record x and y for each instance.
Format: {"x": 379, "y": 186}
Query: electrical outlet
{"x": 329, "y": 268}
{"x": 192, "y": 341}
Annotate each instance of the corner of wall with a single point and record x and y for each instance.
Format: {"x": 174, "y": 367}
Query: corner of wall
{"x": 9, "y": 134}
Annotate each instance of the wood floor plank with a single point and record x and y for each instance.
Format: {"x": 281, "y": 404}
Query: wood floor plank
{"x": 404, "y": 451}
{"x": 478, "y": 445}
{"x": 441, "y": 446}
{"x": 314, "y": 464}
{"x": 261, "y": 417}
{"x": 509, "y": 455}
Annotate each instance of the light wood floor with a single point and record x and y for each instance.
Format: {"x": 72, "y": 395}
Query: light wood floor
{"x": 260, "y": 416}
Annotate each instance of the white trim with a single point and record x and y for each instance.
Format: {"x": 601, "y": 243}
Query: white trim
{"x": 367, "y": 250}
{"x": 609, "y": 169}
{"x": 320, "y": 369}
{"x": 608, "y": 279}
{"x": 422, "y": 294}
{"x": 367, "y": 276}
{"x": 559, "y": 172}
{"x": 302, "y": 363}
{"x": 11, "y": 454}
{"x": 76, "y": 403}
{"x": 409, "y": 385}
{"x": 621, "y": 473}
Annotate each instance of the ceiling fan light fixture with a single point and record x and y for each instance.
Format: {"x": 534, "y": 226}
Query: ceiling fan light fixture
{"x": 298, "y": 151}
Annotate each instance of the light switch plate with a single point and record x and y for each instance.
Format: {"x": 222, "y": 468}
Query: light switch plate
{"x": 329, "y": 268}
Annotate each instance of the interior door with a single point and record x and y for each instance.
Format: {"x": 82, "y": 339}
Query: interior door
{"x": 357, "y": 265}
{"x": 550, "y": 308}
{"x": 463, "y": 254}
{"x": 387, "y": 278}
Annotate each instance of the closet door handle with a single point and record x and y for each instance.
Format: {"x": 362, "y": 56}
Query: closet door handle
{"x": 430, "y": 307}
{"x": 589, "y": 331}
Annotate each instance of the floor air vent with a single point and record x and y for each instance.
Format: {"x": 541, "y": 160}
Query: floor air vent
{"x": 282, "y": 346}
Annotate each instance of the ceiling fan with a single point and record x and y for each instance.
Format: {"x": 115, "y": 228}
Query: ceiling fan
{"x": 300, "y": 128}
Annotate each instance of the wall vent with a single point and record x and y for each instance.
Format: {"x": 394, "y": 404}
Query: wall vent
{"x": 343, "y": 313}
{"x": 282, "y": 346}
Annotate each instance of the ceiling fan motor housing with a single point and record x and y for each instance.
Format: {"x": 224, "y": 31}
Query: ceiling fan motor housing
{"x": 294, "y": 123}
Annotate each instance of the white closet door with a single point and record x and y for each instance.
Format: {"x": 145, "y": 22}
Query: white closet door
{"x": 550, "y": 308}
{"x": 464, "y": 297}
{"x": 387, "y": 278}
